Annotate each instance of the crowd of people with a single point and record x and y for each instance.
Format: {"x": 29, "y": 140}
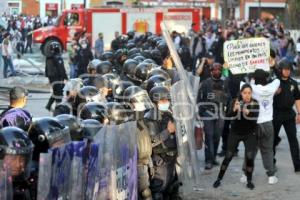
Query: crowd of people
{"x": 132, "y": 81}
{"x": 16, "y": 38}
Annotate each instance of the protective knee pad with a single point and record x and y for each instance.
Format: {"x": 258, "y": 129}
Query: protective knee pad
{"x": 146, "y": 194}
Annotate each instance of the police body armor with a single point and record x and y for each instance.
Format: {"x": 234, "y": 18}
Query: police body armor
{"x": 164, "y": 154}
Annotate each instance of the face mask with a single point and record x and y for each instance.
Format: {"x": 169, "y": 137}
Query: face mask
{"x": 164, "y": 107}
{"x": 139, "y": 107}
{"x": 84, "y": 46}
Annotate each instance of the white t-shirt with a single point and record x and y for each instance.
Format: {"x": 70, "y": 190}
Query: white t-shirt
{"x": 264, "y": 95}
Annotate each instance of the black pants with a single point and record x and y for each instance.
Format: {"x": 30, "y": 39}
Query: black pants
{"x": 225, "y": 134}
{"x": 57, "y": 94}
{"x": 291, "y": 132}
{"x": 250, "y": 143}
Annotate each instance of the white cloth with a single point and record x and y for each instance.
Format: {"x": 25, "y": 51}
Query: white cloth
{"x": 264, "y": 95}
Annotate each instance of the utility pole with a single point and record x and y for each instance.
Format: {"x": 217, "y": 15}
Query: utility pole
{"x": 224, "y": 12}
{"x": 259, "y": 9}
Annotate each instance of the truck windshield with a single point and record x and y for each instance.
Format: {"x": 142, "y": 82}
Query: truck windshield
{"x": 71, "y": 19}
{"x": 57, "y": 22}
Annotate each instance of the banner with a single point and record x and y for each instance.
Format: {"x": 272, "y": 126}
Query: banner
{"x": 246, "y": 55}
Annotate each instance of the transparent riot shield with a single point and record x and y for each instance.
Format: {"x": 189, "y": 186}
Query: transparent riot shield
{"x": 77, "y": 171}
{"x": 126, "y": 171}
{"x": 118, "y": 162}
{"x": 6, "y": 189}
{"x": 106, "y": 140}
{"x": 45, "y": 169}
{"x": 184, "y": 115}
{"x": 93, "y": 173}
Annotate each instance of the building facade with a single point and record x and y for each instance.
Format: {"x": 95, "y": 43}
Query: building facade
{"x": 239, "y": 9}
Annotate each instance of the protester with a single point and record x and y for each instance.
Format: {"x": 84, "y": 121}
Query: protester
{"x": 15, "y": 114}
{"x": 7, "y": 56}
{"x": 212, "y": 98}
{"x": 264, "y": 93}
{"x": 99, "y": 46}
{"x": 244, "y": 112}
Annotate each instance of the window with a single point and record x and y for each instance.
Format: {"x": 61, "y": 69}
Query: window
{"x": 72, "y": 19}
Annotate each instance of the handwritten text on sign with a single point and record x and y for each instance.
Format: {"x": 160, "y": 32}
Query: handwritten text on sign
{"x": 246, "y": 55}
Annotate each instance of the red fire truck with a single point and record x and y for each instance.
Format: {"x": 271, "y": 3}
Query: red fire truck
{"x": 108, "y": 21}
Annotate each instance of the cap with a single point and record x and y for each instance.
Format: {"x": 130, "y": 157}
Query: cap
{"x": 17, "y": 93}
{"x": 209, "y": 55}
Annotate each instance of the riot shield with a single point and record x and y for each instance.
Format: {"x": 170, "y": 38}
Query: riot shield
{"x": 181, "y": 72}
{"x": 77, "y": 172}
{"x": 184, "y": 115}
{"x": 93, "y": 173}
{"x": 118, "y": 162}
{"x": 45, "y": 165}
{"x": 61, "y": 172}
{"x": 6, "y": 188}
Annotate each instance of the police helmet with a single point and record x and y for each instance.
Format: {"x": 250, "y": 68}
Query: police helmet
{"x": 107, "y": 56}
{"x": 104, "y": 67}
{"x": 157, "y": 80}
{"x": 90, "y": 127}
{"x": 129, "y": 67}
{"x": 116, "y": 113}
{"x": 74, "y": 125}
{"x": 15, "y": 142}
{"x": 47, "y": 132}
{"x": 143, "y": 70}
{"x": 138, "y": 97}
{"x": 62, "y": 108}
{"x": 93, "y": 110}
{"x": 285, "y": 64}
{"x": 158, "y": 93}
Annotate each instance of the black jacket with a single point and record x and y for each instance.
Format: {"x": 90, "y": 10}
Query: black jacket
{"x": 55, "y": 69}
{"x": 242, "y": 124}
{"x": 285, "y": 100}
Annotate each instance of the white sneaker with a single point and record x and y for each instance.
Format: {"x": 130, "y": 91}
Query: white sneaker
{"x": 273, "y": 180}
{"x": 243, "y": 179}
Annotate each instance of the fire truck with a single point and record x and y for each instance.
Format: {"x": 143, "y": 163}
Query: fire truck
{"x": 110, "y": 20}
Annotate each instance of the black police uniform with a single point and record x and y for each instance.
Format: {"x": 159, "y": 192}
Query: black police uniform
{"x": 56, "y": 73}
{"x": 284, "y": 114}
{"x": 164, "y": 154}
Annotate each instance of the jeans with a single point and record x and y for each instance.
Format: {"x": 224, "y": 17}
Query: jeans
{"x": 8, "y": 63}
{"x": 212, "y": 130}
{"x": 73, "y": 71}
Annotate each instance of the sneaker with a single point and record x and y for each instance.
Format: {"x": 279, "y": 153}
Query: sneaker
{"x": 273, "y": 180}
{"x": 243, "y": 179}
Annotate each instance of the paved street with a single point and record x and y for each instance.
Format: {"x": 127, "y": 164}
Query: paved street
{"x": 231, "y": 188}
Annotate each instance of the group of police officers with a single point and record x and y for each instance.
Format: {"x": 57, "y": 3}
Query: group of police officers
{"x": 131, "y": 83}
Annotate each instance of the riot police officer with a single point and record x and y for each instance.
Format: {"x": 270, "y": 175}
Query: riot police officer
{"x": 140, "y": 102}
{"x": 15, "y": 157}
{"x": 46, "y": 133}
{"x": 160, "y": 122}
{"x": 284, "y": 114}
{"x": 56, "y": 73}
